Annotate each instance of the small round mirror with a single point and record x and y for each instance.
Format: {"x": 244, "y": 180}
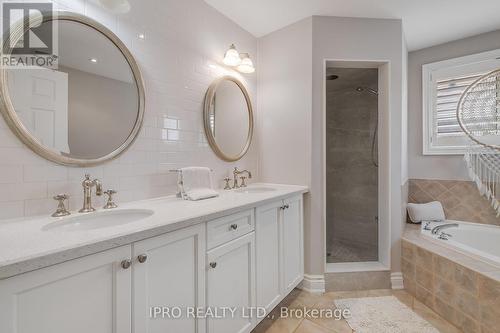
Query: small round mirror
{"x": 87, "y": 110}
{"x": 228, "y": 118}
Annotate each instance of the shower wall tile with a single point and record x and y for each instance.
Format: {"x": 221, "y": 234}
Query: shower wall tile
{"x": 352, "y": 179}
{"x": 461, "y": 199}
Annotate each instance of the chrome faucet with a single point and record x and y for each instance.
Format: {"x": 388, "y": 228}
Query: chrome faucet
{"x": 87, "y": 193}
{"x": 236, "y": 173}
{"x": 437, "y": 229}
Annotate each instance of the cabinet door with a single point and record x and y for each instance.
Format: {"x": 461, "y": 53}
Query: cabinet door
{"x": 231, "y": 285}
{"x": 90, "y": 294}
{"x": 293, "y": 247}
{"x": 171, "y": 277}
{"x": 267, "y": 247}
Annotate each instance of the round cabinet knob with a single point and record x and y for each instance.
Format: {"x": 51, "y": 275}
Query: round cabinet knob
{"x": 126, "y": 263}
{"x": 142, "y": 258}
{"x": 287, "y": 206}
{"x": 234, "y": 226}
{"x": 213, "y": 264}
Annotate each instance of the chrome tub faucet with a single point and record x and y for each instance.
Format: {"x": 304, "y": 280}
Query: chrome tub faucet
{"x": 437, "y": 229}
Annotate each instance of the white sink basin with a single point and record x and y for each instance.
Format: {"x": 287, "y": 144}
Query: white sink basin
{"x": 255, "y": 189}
{"x": 98, "y": 220}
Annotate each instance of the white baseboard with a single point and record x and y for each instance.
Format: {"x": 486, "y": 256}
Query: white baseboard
{"x": 313, "y": 283}
{"x": 397, "y": 280}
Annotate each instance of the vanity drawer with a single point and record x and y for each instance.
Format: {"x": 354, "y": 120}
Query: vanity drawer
{"x": 230, "y": 227}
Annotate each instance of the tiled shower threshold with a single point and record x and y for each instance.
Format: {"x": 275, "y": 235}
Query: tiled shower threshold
{"x": 348, "y": 267}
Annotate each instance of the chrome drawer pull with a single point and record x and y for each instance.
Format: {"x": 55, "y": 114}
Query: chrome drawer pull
{"x": 142, "y": 258}
{"x": 126, "y": 263}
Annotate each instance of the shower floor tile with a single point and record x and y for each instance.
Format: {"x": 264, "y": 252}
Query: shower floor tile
{"x": 341, "y": 252}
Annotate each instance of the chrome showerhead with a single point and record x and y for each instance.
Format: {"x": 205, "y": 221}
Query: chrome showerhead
{"x": 370, "y": 90}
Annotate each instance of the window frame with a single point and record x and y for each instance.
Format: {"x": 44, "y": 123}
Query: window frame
{"x": 435, "y": 71}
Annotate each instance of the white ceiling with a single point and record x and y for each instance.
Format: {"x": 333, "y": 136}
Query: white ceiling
{"x": 77, "y": 44}
{"x": 426, "y": 22}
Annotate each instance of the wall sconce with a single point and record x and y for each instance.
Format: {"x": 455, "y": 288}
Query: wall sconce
{"x": 232, "y": 57}
{"x": 241, "y": 61}
{"x": 246, "y": 65}
{"x": 116, "y": 6}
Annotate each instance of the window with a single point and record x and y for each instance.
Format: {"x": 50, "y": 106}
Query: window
{"x": 442, "y": 85}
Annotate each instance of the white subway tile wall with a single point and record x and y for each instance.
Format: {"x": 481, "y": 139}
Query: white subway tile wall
{"x": 180, "y": 54}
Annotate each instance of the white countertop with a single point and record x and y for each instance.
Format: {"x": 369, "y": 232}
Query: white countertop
{"x": 25, "y": 246}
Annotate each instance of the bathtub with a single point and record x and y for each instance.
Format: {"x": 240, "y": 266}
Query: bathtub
{"x": 481, "y": 241}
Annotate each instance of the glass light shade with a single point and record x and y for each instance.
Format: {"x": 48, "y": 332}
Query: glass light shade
{"x": 116, "y": 6}
{"x": 232, "y": 57}
{"x": 246, "y": 65}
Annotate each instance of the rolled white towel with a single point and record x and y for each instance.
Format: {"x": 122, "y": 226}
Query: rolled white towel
{"x": 432, "y": 211}
{"x": 201, "y": 193}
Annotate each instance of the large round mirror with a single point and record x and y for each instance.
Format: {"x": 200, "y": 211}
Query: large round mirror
{"x": 228, "y": 118}
{"x": 85, "y": 111}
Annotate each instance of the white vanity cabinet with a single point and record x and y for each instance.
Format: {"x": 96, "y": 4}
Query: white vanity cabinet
{"x": 248, "y": 259}
{"x": 89, "y": 294}
{"x": 169, "y": 273}
{"x": 268, "y": 242}
{"x": 231, "y": 286}
{"x": 292, "y": 238}
{"x": 108, "y": 291}
{"x": 279, "y": 250}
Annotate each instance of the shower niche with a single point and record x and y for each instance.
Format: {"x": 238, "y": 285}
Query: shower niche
{"x": 352, "y": 119}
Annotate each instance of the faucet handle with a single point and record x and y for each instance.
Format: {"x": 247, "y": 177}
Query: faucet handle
{"x": 227, "y": 186}
{"x": 110, "y": 204}
{"x": 61, "y": 208}
{"x": 243, "y": 184}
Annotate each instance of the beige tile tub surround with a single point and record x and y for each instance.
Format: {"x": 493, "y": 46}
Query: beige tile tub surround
{"x": 461, "y": 289}
{"x": 461, "y": 199}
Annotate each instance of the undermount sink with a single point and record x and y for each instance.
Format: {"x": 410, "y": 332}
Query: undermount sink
{"x": 98, "y": 220}
{"x": 255, "y": 189}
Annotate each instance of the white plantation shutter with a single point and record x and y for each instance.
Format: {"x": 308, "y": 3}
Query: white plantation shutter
{"x": 443, "y": 85}
{"x": 448, "y": 94}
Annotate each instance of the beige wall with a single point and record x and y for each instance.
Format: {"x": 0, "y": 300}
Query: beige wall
{"x": 352, "y": 39}
{"x": 285, "y": 107}
{"x": 285, "y": 103}
{"x": 437, "y": 167}
{"x": 291, "y": 107}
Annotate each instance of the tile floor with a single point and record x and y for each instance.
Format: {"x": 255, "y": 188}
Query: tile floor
{"x": 300, "y": 299}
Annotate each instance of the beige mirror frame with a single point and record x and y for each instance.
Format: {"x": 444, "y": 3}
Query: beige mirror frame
{"x": 15, "y": 124}
{"x": 209, "y": 99}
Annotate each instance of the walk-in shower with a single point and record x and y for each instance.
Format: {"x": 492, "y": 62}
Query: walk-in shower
{"x": 351, "y": 165}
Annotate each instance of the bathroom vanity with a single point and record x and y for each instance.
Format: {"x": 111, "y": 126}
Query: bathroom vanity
{"x": 243, "y": 249}
{"x": 160, "y": 265}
